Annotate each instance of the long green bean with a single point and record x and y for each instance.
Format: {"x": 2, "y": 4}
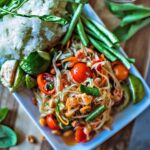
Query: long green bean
{"x": 80, "y": 29}
{"x": 126, "y": 32}
{"x": 72, "y": 24}
{"x": 96, "y": 113}
{"x": 102, "y": 37}
{"x": 131, "y": 18}
{"x": 118, "y": 55}
{"x": 131, "y": 60}
{"x": 98, "y": 46}
{"x": 82, "y": 34}
{"x": 89, "y": 32}
{"x": 105, "y": 31}
{"x": 118, "y": 7}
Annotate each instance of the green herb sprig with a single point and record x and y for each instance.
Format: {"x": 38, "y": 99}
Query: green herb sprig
{"x": 16, "y": 4}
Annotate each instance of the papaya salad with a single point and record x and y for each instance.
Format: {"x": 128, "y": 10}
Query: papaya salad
{"x": 82, "y": 82}
{"x": 81, "y": 91}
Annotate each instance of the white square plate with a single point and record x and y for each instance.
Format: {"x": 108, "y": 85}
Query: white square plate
{"x": 121, "y": 119}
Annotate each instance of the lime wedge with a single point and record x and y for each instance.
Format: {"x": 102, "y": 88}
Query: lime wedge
{"x": 137, "y": 88}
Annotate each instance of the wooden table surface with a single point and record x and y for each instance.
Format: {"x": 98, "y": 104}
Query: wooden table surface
{"x": 137, "y": 47}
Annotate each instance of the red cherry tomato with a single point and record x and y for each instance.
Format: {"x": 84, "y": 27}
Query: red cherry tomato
{"x": 51, "y": 122}
{"x": 80, "y": 72}
{"x": 121, "y": 72}
{"x": 46, "y": 83}
{"x": 80, "y": 136}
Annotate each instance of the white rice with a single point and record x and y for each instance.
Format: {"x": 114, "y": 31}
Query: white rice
{"x": 20, "y": 35}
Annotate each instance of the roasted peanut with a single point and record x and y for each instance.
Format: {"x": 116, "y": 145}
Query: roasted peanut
{"x": 42, "y": 121}
{"x": 67, "y": 133}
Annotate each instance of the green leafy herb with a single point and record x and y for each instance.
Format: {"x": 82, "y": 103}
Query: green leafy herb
{"x": 3, "y": 113}
{"x": 47, "y": 18}
{"x": 8, "y": 137}
{"x": 12, "y": 6}
{"x": 89, "y": 90}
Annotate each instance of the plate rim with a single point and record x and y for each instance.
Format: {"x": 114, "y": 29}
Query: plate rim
{"x": 88, "y": 10}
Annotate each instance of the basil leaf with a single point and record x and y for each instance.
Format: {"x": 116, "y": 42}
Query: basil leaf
{"x": 8, "y": 137}
{"x": 3, "y": 113}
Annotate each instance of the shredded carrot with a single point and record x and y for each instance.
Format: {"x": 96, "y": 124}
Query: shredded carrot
{"x": 70, "y": 59}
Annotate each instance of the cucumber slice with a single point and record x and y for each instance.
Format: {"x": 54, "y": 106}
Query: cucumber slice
{"x": 44, "y": 55}
{"x": 137, "y": 88}
{"x": 30, "y": 82}
{"x": 19, "y": 79}
{"x": 34, "y": 64}
{"x": 127, "y": 98}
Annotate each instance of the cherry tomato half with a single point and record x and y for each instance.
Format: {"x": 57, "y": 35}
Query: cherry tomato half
{"x": 121, "y": 72}
{"x": 52, "y": 123}
{"x": 80, "y": 72}
{"x": 46, "y": 83}
{"x": 80, "y": 136}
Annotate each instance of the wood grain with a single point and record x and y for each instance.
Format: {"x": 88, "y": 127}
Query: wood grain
{"x": 137, "y": 47}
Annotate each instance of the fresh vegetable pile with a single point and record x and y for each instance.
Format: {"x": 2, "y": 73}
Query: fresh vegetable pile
{"x": 82, "y": 81}
{"x": 132, "y": 18}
